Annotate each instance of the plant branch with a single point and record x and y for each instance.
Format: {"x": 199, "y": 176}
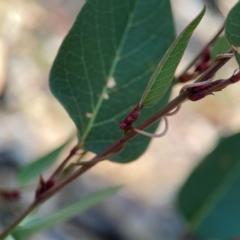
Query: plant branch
{"x": 215, "y": 37}
{"x": 17, "y": 221}
{"x": 214, "y": 68}
{"x": 63, "y": 164}
{"x": 114, "y": 147}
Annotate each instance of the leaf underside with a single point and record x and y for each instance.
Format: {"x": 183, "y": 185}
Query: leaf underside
{"x": 232, "y": 30}
{"x": 209, "y": 199}
{"x": 38, "y": 224}
{"x": 103, "y": 65}
{"x": 163, "y": 75}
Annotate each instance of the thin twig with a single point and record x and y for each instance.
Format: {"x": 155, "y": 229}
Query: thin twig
{"x": 64, "y": 162}
{"x": 68, "y": 169}
{"x": 215, "y": 37}
{"x": 213, "y": 69}
{"x": 99, "y": 159}
{"x": 17, "y": 221}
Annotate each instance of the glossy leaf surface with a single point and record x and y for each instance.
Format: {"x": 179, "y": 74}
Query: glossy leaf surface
{"x": 103, "y": 66}
{"x": 38, "y": 224}
{"x": 233, "y": 29}
{"x": 209, "y": 200}
{"x": 163, "y": 74}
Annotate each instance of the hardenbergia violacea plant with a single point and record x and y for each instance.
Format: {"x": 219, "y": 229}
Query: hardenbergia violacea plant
{"x": 115, "y": 62}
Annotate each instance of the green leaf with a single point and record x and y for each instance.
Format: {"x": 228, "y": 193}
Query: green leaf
{"x": 210, "y": 198}
{"x": 219, "y": 47}
{"x": 232, "y": 30}
{"x": 37, "y": 224}
{"x": 36, "y": 167}
{"x": 103, "y": 65}
{"x": 163, "y": 74}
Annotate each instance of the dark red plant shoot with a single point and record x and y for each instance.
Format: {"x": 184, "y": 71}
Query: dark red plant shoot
{"x": 11, "y": 195}
{"x": 43, "y": 187}
{"x": 199, "y": 92}
{"x": 205, "y": 61}
{"x": 234, "y": 78}
{"x": 201, "y": 66}
{"x": 126, "y": 124}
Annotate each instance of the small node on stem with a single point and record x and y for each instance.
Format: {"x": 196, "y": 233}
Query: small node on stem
{"x": 187, "y": 77}
{"x": 152, "y": 135}
{"x": 64, "y": 163}
{"x": 196, "y": 84}
{"x": 199, "y": 92}
{"x": 74, "y": 150}
{"x": 223, "y": 56}
{"x": 126, "y": 124}
{"x": 43, "y": 187}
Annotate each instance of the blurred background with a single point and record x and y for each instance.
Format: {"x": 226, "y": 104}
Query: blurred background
{"x": 33, "y": 123}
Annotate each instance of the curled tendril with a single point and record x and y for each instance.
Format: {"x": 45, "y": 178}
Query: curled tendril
{"x": 163, "y": 133}
{"x": 152, "y": 135}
